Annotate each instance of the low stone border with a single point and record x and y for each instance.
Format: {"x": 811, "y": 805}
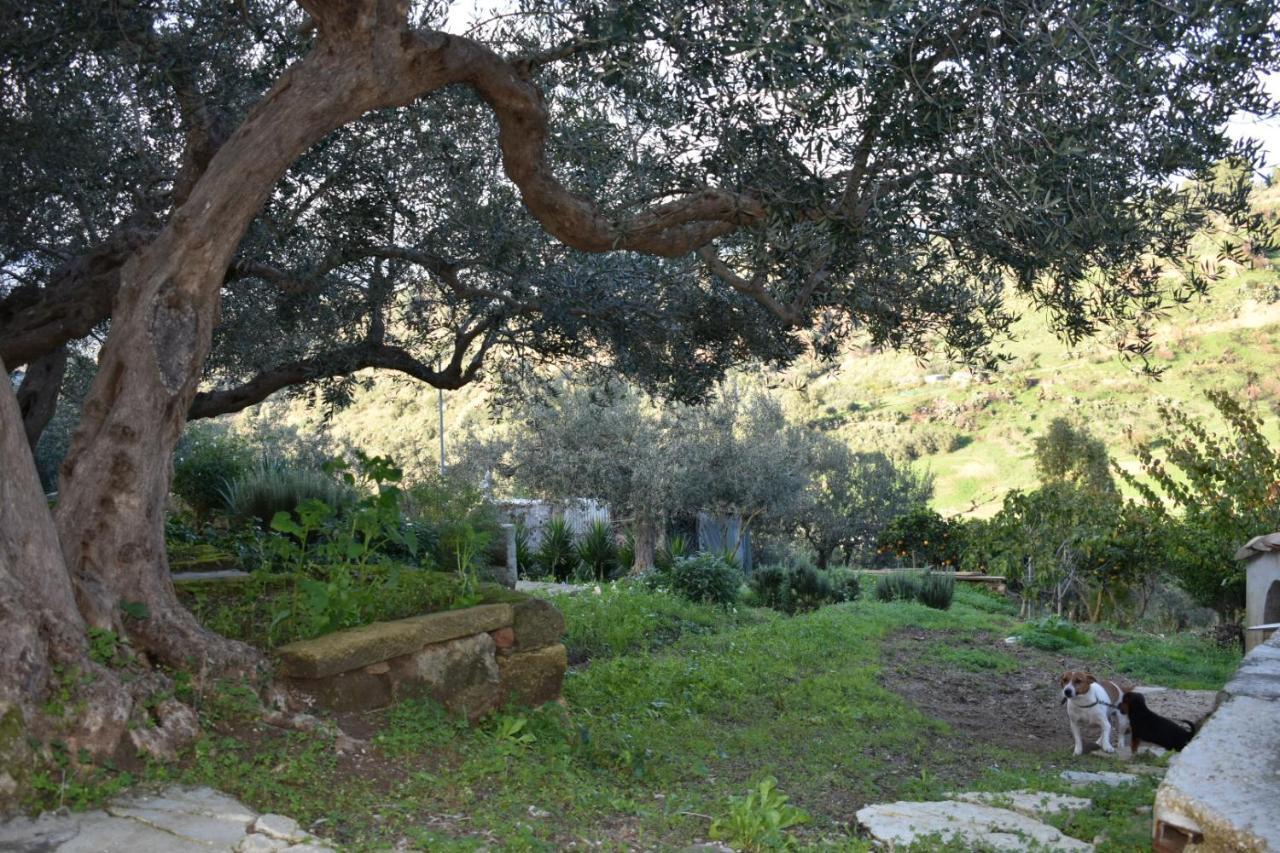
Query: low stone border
{"x": 472, "y": 661}
{"x": 1222, "y": 791}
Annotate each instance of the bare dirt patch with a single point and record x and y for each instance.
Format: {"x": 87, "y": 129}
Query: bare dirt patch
{"x": 1018, "y": 709}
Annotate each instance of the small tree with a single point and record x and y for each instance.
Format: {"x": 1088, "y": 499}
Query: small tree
{"x": 1214, "y": 492}
{"x": 1068, "y": 453}
{"x": 852, "y": 497}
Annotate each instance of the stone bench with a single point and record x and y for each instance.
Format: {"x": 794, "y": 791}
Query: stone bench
{"x": 1223, "y": 791}
{"x": 473, "y": 661}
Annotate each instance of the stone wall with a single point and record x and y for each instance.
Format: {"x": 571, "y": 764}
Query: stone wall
{"x": 473, "y": 661}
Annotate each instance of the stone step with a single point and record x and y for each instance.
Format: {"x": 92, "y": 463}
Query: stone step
{"x": 905, "y": 823}
{"x": 1033, "y": 804}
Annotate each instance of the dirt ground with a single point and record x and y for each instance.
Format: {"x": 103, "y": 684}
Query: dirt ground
{"x": 1019, "y": 710}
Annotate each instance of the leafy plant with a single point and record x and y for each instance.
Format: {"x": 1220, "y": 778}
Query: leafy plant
{"x": 555, "y": 551}
{"x": 673, "y": 549}
{"x": 597, "y": 552}
{"x": 760, "y": 820}
{"x": 707, "y": 578}
{"x": 206, "y": 460}
{"x": 524, "y": 553}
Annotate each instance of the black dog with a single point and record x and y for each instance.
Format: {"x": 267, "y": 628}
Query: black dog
{"x": 1146, "y": 725}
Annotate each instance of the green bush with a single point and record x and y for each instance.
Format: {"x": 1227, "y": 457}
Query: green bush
{"x": 524, "y": 553}
{"x": 705, "y": 578}
{"x": 206, "y": 460}
{"x": 596, "y": 552}
{"x": 447, "y": 510}
{"x": 673, "y": 549}
{"x": 274, "y": 486}
{"x": 899, "y": 586}
{"x": 801, "y": 587}
{"x": 937, "y": 589}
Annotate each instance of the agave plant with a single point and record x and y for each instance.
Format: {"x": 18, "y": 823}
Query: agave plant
{"x": 597, "y": 552}
{"x": 555, "y": 553}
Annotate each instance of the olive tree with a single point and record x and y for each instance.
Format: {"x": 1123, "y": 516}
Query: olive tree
{"x": 886, "y": 169}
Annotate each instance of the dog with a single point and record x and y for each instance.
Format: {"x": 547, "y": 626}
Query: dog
{"x": 1088, "y": 698}
{"x": 1146, "y": 725}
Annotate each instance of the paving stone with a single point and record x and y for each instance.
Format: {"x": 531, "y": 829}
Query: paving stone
{"x": 309, "y": 848}
{"x": 279, "y": 826}
{"x": 904, "y": 823}
{"x": 261, "y": 844}
{"x": 1036, "y": 804}
{"x": 93, "y": 832}
{"x": 1082, "y": 778}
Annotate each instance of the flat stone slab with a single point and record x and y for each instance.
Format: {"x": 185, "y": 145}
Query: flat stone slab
{"x": 1035, "y": 804}
{"x": 353, "y": 648}
{"x": 1226, "y": 783}
{"x": 1084, "y": 778}
{"x": 549, "y": 588}
{"x": 905, "y": 823}
{"x": 177, "y": 820}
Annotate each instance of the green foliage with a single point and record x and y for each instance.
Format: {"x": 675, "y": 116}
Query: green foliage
{"x": 450, "y": 510}
{"x": 801, "y": 588}
{"x": 1067, "y": 453}
{"x": 274, "y": 486}
{"x": 671, "y": 550}
{"x": 628, "y": 617}
{"x": 1052, "y": 634}
{"x": 207, "y": 459}
{"x": 899, "y": 586}
{"x": 760, "y": 820}
{"x": 1069, "y": 549}
{"x": 555, "y": 555}
{"x": 627, "y": 552}
{"x": 525, "y": 558}
{"x": 106, "y": 647}
{"x": 596, "y": 552}
{"x": 937, "y": 589}
{"x": 706, "y": 578}
{"x": 922, "y": 537}
{"x": 1226, "y": 487}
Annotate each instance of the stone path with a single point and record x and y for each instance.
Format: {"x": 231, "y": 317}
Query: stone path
{"x": 964, "y": 823}
{"x": 176, "y": 820}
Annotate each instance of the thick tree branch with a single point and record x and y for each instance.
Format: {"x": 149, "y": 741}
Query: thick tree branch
{"x": 38, "y": 393}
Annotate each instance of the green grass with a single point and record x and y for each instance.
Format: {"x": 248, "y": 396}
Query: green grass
{"x": 662, "y": 734}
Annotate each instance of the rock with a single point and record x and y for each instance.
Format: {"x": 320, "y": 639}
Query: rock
{"x": 904, "y": 823}
{"x": 533, "y": 678}
{"x": 279, "y": 826}
{"x": 503, "y": 638}
{"x": 534, "y": 811}
{"x": 537, "y": 624}
{"x": 357, "y": 690}
{"x": 461, "y": 674}
{"x": 309, "y": 848}
{"x": 261, "y": 844}
{"x": 353, "y": 648}
{"x": 1036, "y": 804}
{"x": 1083, "y": 778}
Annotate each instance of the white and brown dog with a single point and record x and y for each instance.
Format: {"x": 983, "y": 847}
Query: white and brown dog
{"x": 1086, "y": 699}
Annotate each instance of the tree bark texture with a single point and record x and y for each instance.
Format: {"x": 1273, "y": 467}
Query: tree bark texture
{"x": 38, "y": 393}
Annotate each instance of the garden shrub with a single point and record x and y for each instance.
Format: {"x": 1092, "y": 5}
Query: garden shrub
{"x": 706, "y": 578}
{"x": 937, "y": 589}
{"x": 799, "y": 588}
{"x": 206, "y": 460}
{"x": 899, "y": 586}
{"x": 451, "y": 511}
{"x": 274, "y": 485}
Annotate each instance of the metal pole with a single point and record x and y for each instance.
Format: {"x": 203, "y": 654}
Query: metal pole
{"x": 440, "y": 393}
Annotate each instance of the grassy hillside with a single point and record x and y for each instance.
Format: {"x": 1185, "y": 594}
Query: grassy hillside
{"x": 975, "y": 435}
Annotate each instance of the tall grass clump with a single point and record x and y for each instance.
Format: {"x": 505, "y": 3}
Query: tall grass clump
{"x": 273, "y": 485}
{"x": 937, "y": 589}
{"x": 596, "y": 552}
